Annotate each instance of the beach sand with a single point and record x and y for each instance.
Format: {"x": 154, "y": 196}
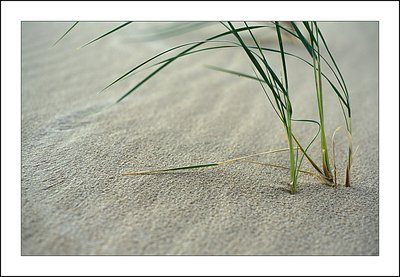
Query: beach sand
{"x": 76, "y": 147}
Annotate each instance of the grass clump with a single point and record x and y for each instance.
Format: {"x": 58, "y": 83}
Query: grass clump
{"x": 275, "y": 89}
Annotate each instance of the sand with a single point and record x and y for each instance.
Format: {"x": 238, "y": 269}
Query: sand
{"x": 76, "y": 147}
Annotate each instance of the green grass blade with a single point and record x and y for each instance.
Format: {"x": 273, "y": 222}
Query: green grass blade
{"x": 256, "y": 42}
{"x": 171, "y": 169}
{"x": 318, "y": 88}
{"x": 292, "y": 158}
{"x": 69, "y": 30}
{"x": 204, "y": 165}
{"x": 337, "y": 68}
{"x": 309, "y": 29}
{"x": 268, "y": 74}
{"x": 108, "y": 33}
{"x": 278, "y": 100}
{"x": 251, "y": 56}
{"x": 303, "y": 39}
{"x": 282, "y": 52}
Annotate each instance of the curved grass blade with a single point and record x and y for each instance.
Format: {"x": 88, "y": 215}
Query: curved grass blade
{"x": 69, "y": 30}
{"x": 303, "y": 39}
{"x": 108, "y": 33}
{"x": 311, "y": 142}
{"x": 261, "y": 52}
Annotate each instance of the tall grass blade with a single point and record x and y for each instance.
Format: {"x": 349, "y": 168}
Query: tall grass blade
{"x": 292, "y": 158}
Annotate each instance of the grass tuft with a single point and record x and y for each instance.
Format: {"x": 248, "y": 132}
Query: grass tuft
{"x": 276, "y": 89}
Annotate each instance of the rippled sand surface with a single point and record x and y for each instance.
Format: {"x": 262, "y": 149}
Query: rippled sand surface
{"x": 75, "y": 148}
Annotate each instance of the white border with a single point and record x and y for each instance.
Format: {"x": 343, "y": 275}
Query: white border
{"x": 14, "y": 12}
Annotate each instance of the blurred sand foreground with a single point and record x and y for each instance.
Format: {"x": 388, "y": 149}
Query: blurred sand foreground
{"x": 75, "y": 200}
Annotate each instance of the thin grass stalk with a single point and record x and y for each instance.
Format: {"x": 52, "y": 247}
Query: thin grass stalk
{"x": 318, "y": 87}
{"x": 292, "y": 158}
